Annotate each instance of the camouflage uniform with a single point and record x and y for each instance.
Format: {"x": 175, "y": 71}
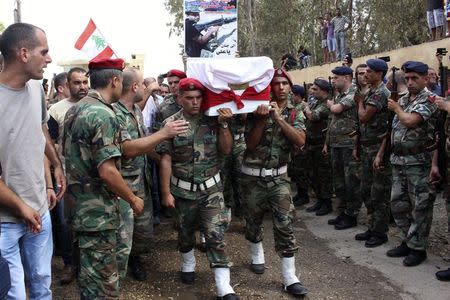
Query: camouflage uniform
{"x": 346, "y": 172}
{"x": 91, "y": 136}
{"x": 375, "y": 185}
{"x": 136, "y": 174}
{"x": 168, "y": 108}
{"x": 260, "y": 193}
{"x": 320, "y": 165}
{"x": 447, "y": 152}
{"x": 232, "y": 164}
{"x": 195, "y": 160}
{"x": 412, "y": 196}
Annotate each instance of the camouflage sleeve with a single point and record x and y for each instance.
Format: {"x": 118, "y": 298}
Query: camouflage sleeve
{"x": 165, "y": 147}
{"x": 379, "y": 100}
{"x": 104, "y": 144}
{"x": 425, "y": 109}
{"x": 319, "y": 113}
{"x": 123, "y": 124}
{"x": 299, "y": 120}
{"x": 348, "y": 101}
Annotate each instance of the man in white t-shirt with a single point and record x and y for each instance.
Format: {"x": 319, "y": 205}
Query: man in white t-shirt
{"x": 78, "y": 86}
{"x": 23, "y": 140}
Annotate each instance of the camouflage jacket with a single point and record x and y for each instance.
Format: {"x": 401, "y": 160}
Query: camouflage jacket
{"x": 274, "y": 148}
{"x": 344, "y": 124}
{"x": 134, "y": 170}
{"x": 376, "y": 128}
{"x": 194, "y": 154}
{"x": 168, "y": 108}
{"x": 316, "y": 126}
{"x": 411, "y": 146}
{"x": 91, "y": 136}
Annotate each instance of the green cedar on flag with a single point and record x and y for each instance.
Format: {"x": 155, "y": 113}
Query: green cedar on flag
{"x": 93, "y": 43}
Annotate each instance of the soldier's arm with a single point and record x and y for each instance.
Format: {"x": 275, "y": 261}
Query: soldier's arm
{"x": 133, "y": 148}
{"x": 296, "y": 136}
{"x": 53, "y": 157}
{"x": 409, "y": 120}
{"x": 110, "y": 175}
{"x": 165, "y": 172}
{"x": 336, "y": 108}
{"x": 225, "y": 139}
{"x": 254, "y": 135}
{"x": 365, "y": 114}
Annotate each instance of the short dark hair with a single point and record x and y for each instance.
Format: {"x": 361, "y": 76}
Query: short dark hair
{"x": 100, "y": 78}
{"x": 16, "y": 36}
{"x": 75, "y": 70}
{"x": 129, "y": 77}
{"x": 165, "y": 85}
{"x": 60, "y": 79}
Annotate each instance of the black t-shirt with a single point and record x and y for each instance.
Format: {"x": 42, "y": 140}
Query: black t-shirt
{"x": 193, "y": 48}
{"x": 434, "y": 4}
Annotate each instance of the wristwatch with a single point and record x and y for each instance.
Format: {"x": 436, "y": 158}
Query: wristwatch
{"x": 224, "y": 125}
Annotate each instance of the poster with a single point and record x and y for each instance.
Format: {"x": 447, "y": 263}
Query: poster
{"x": 210, "y": 28}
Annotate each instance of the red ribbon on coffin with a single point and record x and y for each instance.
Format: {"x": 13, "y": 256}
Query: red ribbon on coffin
{"x": 214, "y": 99}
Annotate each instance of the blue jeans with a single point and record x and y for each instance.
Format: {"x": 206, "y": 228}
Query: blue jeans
{"x": 29, "y": 254}
{"x": 340, "y": 45}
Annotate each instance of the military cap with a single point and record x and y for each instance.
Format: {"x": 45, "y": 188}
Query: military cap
{"x": 323, "y": 84}
{"x": 177, "y": 73}
{"x": 415, "y": 66}
{"x": 282, "y": 73}
{"x": 298, "y": 90}
{"x": 342, "y": 71}
{"x": 190, "y": 84}
{"x": 106, "y": 63}
{"x": 378, "y": 65}
{"x": 192, "y": 9}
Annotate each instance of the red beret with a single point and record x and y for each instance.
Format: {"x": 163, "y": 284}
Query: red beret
{"x": 178, "y": 73}
{"x": 282, "y": 73}
{"x": 106, "y": 63}
{"x": 190, "y": 84}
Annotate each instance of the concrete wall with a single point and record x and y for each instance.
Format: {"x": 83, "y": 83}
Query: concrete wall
{"x": 423, "y": 52}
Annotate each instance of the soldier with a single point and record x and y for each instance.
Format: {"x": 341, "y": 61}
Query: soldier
{"x": 298, "y": 168}
{"x": 135, "y": 172}
{"x": 373, "y": 125}
{"x": 317, "y": 114}
{"x": 170, "y": 104}
{"x": 341, "y": 139}
{"x": 92, "y": 150}
{"x": 444, "y": 275}
{"x": 413, "y": 169}
{"x": 271, "y": 134}
{"x": 191, "y": 183}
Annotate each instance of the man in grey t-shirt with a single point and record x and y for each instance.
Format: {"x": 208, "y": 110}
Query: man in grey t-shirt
{"x": 24, "y": 139}
{"x": 341, "y": 25}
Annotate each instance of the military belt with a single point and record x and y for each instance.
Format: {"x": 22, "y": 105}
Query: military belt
{"x": 239, "y": 136}
{"x": 193, "y": 187}
{"x": 264, "y": 172}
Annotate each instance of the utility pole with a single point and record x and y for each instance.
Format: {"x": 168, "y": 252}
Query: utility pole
{"x": 18, "y": 12}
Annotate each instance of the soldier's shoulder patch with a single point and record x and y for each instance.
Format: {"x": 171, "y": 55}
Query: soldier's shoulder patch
{"x": 376, "y": 97}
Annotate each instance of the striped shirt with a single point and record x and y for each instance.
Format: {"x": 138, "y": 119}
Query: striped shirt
{"x": 339, "y": 23}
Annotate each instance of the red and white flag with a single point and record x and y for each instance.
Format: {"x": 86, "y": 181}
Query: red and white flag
{"x": 93, "y": 43}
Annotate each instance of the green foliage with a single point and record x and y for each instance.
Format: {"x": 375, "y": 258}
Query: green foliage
{"x": 274, "y": 27}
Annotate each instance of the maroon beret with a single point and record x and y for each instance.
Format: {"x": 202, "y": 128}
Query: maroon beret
{"x": 178, "y": 73}
{"x": 190, "y": 84}
{"x": 106, "y": 63}
{"x": 282, "y": 73}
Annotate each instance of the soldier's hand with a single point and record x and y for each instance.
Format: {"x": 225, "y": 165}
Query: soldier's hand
{"x": 393, "y": 105}
{"x": 435, "y": 177}
{"x": 150, "y": 89}
{"x": 225, "y": 114}
{"x": 442, "y": 104}
{"x": 168, "y": 201}
{"x": 174, "y": 128}
{"x": 378, "y": 163}
{"x": 51, "y": 199}
{"x": 31, "y": 218}
{"x": 60, "y": 182}
{"x": 330, "y": 103}
{"x": 325, "y": 149}
{"x": 137, "y": 205}
{"x": 262, "y": 111}
{"x": 275, "y": 111}
{"x": 355, "y": 154}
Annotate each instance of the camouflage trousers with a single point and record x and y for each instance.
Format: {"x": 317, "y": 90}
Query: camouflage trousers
{"x": 99, "y": 276}
{"x": 124, "y": 237}
{"x": 230, "y": 171}
{"x": 412, "y": 199}
{"x": 210, "y": 213}
{"x": 320, "y": 172}
{"x": 143, "y": 227}
{"x": 375, "y": 190}
{"x": 346, "y": 180}
{"x": 299, "y": 169}
{"x": 262, "y": 194}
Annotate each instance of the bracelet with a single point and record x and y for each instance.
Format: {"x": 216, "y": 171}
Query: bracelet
{"x": 50, "y": 188}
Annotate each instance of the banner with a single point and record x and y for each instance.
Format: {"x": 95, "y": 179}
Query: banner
{"x": 210, "y": 28}
{"x": 92, "y": 42}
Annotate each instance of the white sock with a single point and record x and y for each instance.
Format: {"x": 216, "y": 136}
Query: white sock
{"x": 288, "y": 270}
{"x": 257, "y": 251}
{"x": 202, "y": 238}
{"x": 188, "y": 261}
{"x": 222, "y": 277}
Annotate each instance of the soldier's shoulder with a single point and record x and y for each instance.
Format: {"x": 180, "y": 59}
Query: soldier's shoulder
{"x": 176, "y": 116}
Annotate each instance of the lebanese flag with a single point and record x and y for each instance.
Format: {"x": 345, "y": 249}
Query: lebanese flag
{"x": 93, "y": 43}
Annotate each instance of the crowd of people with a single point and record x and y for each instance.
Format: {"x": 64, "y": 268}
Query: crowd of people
{"x": 438, "y": 18}
{"x": 115, "y": 147}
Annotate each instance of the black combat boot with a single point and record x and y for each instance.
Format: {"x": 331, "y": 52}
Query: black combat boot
{"x": 296, "y": 289}
{"x": 137, "y": 268}
{"x": 443, "y": 275}
{"x": 336, "y": 220}
{"x": 377, "y": 239}
{"x": 187, "y": 277}
{"x": 315, "y": 207}
{"x": 231, "y": 296}
{"x": 363, "y": 236}
{"x": 414, "y": 258}
{"x": 399, "y": 251}
{"x": 325, "y": 208}
{"x": 346, "y": 222}
{"x": 302, "y": 197}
